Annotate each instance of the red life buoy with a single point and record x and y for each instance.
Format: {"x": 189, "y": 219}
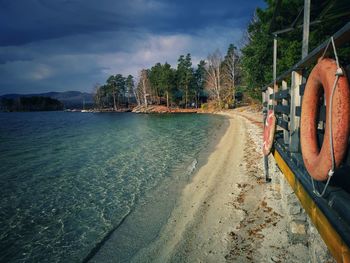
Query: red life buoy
{"x": 318, "y": 161}
{"x": 269, "y": 132}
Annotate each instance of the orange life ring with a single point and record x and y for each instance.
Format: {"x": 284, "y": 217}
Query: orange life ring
{"x": 269, "y": 132}
{"x": 318, "y": 161}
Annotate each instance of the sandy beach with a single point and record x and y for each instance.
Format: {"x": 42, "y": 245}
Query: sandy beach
{"x": 227, "y": 213}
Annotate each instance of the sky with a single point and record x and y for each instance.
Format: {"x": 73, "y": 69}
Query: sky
{"x": 62, "y": 45}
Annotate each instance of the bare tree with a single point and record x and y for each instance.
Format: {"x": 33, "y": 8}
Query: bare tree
{"x": 230, "y": 73}
{"x": 136, "y": 92}
{"x": 143, "y": 88}
{"x": 214, "y": 76}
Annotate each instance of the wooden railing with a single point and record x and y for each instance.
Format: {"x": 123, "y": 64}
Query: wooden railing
{"x": 330, "y": 214}
{"x": 287, "y": 93}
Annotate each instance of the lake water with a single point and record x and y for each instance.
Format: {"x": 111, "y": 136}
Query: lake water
{"x": 92, "y": 186}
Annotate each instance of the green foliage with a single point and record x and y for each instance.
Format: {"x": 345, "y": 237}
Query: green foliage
{"x": 162, "y": 78}
{"x": 198, "y": 81}
{"x": 257, "y": 54}
{"x": 155, "y": 79}
{"x": 184, "y": 75}
{"x": 204, "y": 106}
{"x": 183, "y": 86}
{"x": 129, "y": 84}
{"x": 199, "y": 76}
{"x": 113, "y": 92}
{"x": 120, "y": 83}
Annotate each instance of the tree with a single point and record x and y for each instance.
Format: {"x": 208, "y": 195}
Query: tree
{"x": 120, "y": 87}
{"x": 112, "y": 89}
{"x": 137, "y": 94}
{"x": 214, "y": 76}
{"x": 166, "y": 80}
{"x": 230, "y": 72}
{"x": 199, "y": 79}
{"x": 184, "y": 75}
{"x": 155, "y": 80}
{"x": 97, "y": 93}
{"x": 143, "y": 87}
{"x": 105, "y": 95}
{"x": 129, "y": 86}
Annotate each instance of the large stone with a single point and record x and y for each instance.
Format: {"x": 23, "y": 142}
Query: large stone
{"x": 299, "y": 217}
{"x": 297, "y": 228}
{"x": 294, "y": 209}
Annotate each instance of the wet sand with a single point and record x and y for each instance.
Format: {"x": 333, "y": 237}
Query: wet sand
{"x": 228, "y": 213}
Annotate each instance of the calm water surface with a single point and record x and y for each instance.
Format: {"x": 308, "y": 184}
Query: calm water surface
{"x": 83, "y": 186}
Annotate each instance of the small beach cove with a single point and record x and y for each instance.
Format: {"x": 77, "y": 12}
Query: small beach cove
{"x": 211, "y": 205}
{"x": 228, "y": 213}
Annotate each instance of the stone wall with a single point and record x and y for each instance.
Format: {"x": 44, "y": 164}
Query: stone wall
{"x": 300, "y": 229}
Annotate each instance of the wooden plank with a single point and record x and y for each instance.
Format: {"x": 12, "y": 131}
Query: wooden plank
{"x": 302, "y": 89}
{"x": 285, "y": 117}
{"x": 283, "y": 124}
{"x": 270, "y": 92}
{"x": 294, "y": 119}
{"x": 283, "y": 94}
{"x": 265, "y": 96}
{"x": 275, "y": 90}
{"x": 283, "y": 109}
{"x": 264, "y": 99}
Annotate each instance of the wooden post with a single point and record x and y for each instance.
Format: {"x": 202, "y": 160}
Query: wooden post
{"x": 275, "y": 86}
{"x": 263, "y": 97}
{"x": 306, "y": 28}
{"x": 294, "y": 140}
{"x": 285, "y": 116}
{"x": 274, "y": 73}
{"x": 270, "y": 101}
{"x": 266, "y": 98}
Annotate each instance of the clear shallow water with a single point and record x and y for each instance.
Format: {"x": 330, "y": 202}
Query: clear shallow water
{"x": 69, "y": 181}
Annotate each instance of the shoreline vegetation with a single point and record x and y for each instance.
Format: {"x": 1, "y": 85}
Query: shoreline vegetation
{"x": 184, "y": 87}
{"x": 38, "y": 103}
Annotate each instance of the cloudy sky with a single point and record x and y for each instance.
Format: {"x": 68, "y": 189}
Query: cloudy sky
{"x": 60, "y": 45}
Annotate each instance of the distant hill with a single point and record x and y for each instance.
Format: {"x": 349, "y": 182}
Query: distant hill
{"x": 35, "y": 103}
{"x": 70, "y": 99}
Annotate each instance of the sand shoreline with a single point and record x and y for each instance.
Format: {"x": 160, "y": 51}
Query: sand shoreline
{"x": 227, "y": 213}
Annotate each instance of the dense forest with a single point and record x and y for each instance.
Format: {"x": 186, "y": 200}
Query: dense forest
{"x": 35, "y": 103}
{"x": 217, "y": 78}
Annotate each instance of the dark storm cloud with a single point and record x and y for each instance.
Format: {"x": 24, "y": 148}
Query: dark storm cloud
{"x": 34, "y": 20}
{"x": 71, "y": 44}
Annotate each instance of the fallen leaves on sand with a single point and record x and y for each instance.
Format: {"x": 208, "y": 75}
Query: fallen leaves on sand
{"x": 248, "y": 234}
